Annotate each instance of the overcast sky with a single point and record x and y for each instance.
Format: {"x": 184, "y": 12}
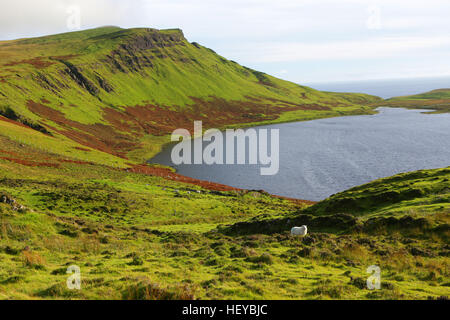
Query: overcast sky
{"x": 298, "y": 40}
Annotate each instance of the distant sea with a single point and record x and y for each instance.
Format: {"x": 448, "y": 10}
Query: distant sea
{"x": 385, "y": 88}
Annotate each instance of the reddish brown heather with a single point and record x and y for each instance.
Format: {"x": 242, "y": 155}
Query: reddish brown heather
{"x": 168, "y": 174}
{"x": 96, "y": 136}
{"x": 127, "y": 126}
{"x": 82, "y": 149}
{"x": 2, "y": 118}
{"x": 75, "y": 161}
{"x": 67, "y": 57}
{"x": 35, "y": 62}
{"x": 30, "y": 163}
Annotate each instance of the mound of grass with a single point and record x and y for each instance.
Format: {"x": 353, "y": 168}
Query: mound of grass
{"x": 416, "y": 204}
{"x": 147, "y": 290}
{"x": 438, "y": 100}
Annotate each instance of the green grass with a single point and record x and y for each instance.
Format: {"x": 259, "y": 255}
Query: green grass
{"x": 434, "y": 94}
{"x": 135, "y": 236}
{"x": 57, "y": 145}
{"x": 424, "y": 192}
{"x": 415, "y": 204}
{"x": 131, "y": 234}
{"x": 168, "y": 82}
{"x": 437, "y": 100}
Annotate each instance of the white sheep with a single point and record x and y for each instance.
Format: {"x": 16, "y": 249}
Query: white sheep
{"x": 299, "y": 231}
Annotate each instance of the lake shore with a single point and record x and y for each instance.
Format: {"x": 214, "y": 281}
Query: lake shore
{"x": 361, "y": 172}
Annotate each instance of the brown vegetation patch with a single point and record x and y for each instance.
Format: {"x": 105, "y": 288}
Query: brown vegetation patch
{"x": 67, "y": 57}
{"x": 74, "y": 161}
{"x": 31, "y": 163}
{"x": 17, "y": 123}
{"x": 128, "y": 126}
{"x": 147, "y": 290}
{"x": 35, "y": 62}
{"x": 214, "y": 113}
{"x": 96, "y": 136}
{"x": 32, "y": 259}
{"x": 168, "y": 174}
{"x": 82, "y": 149}
{"x": 11, "y": 153}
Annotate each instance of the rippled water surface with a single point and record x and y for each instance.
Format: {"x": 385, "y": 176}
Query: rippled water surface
{"x": 322, "y": 157}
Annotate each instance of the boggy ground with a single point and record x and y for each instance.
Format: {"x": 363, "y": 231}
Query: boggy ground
{"x": 135, "y": 235}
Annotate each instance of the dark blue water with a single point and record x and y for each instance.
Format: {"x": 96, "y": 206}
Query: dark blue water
{"x": 322, "y": 157}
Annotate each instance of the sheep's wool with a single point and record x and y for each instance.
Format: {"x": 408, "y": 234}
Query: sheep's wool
{"x": 299, "y": 231}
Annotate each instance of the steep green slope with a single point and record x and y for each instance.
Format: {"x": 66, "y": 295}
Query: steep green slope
{"x": 138, "y": 84}
{"x": 415, "y": 203}
{"x": 140, "y": 236}
{"x": 421, "y": 192}
{"x": 136, "y": 236}
{"x": 438, "y": 100}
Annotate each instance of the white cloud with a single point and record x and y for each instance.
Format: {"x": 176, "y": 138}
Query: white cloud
{"x": 29, "y": 18}
{"x": 364, "y": 49}
{"x": 223, "y": 19}
{"x": 259, "y": 32}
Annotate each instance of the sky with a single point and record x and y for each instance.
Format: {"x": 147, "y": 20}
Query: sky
{"x": 305, "y": 41}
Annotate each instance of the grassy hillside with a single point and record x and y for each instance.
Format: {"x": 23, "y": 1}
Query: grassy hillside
{"x": 420, "y": 197}
{"x": 438, "y": 100}
{"x": 415, "y": 204}
{"x": 138, "y": 85}
{"x": 81, "y": 111}
{"x": 400, "y": 223}
{"x": 421, "y": 193}
{"x": 138, "y": 235}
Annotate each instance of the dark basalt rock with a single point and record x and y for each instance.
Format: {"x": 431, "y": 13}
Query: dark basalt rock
{"x": 104, "y": 84}
{"x": 75, "y": 73}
